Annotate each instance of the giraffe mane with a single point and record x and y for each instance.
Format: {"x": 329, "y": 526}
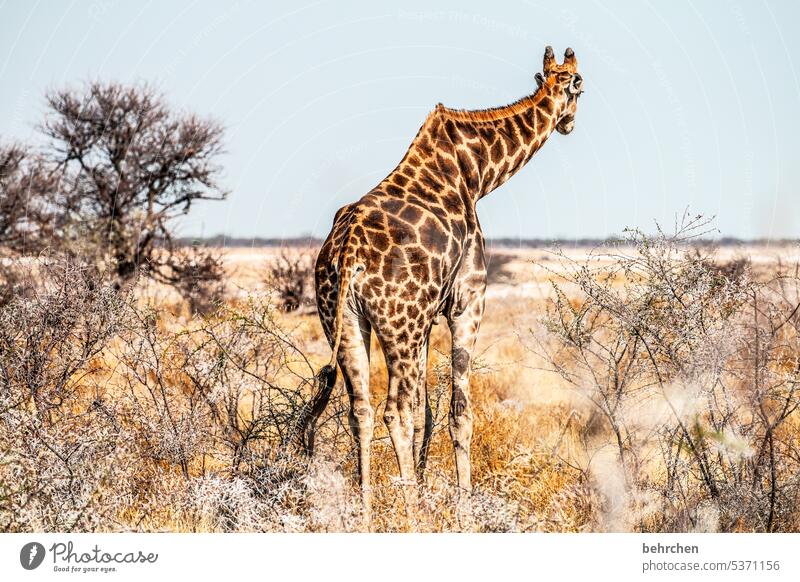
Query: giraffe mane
{"x": 490, "y": 114}
{"x": 495, "y": 113}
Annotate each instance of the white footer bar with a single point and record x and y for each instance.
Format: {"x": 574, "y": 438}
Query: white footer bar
{"x": 401, "y": 557}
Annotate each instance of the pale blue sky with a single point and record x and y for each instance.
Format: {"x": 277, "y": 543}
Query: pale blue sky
{"x": 687, "y": 103}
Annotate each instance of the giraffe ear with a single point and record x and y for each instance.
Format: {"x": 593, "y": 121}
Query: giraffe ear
{"x": 539, "y": 79}
{"x": 570, "y": 61}
{"x": 549, "y": 60}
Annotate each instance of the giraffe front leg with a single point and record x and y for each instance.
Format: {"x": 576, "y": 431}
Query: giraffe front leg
{"x": 464, "y": 331}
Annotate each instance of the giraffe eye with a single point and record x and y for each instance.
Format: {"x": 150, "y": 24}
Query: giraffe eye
{"x": 576, "y": 85}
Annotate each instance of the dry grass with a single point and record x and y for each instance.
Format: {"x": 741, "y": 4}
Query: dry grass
{"x": 539, "y": 455}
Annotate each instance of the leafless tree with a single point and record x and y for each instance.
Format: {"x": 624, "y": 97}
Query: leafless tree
{"x": 128, "y": 166}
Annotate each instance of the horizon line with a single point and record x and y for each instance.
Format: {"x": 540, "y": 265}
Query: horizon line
{"x": 223, "y": 240}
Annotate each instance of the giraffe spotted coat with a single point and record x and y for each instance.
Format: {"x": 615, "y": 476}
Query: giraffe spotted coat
{"x": 410, "y": 250}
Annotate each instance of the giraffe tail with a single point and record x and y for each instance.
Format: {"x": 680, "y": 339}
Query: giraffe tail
{"x": 349, "y": 266}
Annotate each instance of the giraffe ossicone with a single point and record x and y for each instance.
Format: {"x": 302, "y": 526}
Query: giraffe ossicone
{"x": 412, "y": 249}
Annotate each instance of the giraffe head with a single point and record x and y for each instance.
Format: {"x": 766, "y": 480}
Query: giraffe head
{"x": 565, "y": 84}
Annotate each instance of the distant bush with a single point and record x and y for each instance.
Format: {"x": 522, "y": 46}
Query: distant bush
{"x": 290, "y": 275}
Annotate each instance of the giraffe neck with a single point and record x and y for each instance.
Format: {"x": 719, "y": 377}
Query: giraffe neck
{"x": 473, "y": 152}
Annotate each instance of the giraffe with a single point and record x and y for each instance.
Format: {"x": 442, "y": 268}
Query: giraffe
{"x": 411, "y": 250}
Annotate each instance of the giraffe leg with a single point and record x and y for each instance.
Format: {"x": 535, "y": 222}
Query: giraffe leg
{"x": 399, "y": 419}
{"x": 464, "y": 331}
{"x": 423, "y": 419}
{"x": 353, "y": 360}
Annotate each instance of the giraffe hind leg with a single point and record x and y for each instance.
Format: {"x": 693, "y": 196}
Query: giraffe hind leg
{"x": 423, "y": 418}
{"x": 399, "y": 419}
{"x": 353, "y": 360}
